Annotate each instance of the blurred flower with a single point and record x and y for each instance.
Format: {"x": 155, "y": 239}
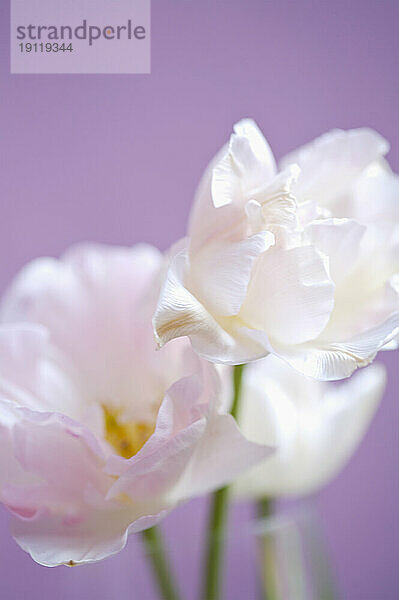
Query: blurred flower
{"x": 244, "y": 284}
{"x": 101, "y": 435}
{"x": 268, "y": 268}
{"x": 315, "y": 426}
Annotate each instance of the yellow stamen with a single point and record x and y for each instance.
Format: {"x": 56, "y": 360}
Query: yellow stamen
{"x": 126, "y": 437}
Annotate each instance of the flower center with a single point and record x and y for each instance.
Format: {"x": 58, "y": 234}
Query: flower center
{"x": 126, "y": 437}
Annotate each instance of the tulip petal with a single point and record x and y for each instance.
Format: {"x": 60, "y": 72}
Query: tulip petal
{"x": 375, "y": 196}
{"x": 93, "y": 301}
{"x": 52, "y": 540}
{"x": 261, "y": 159}
{"x": 63, "y": 454}
{"x": 336, "y": 360}
{"x": 331, "y": 163}
{"x": 21, "y": 352}
{"x": 239, "y": 168}
{"x": 33, "y": 376}
{"x": 290, "y": 295}
{"x": 350, "y": 407}
{"x": 186, "y": 455}
{"x": 220, "y": 273}
{"x": 316, "y": 426}
{"x": 179, "y": 313}
{"x": 209, "y": 468}
{"x": 339, "y": 239}
{"x": 53, "y": 482}
{"x": 159, "y": 464}
{"x": 247, "y": 165}
{"x": 274, "y": 203}
{"x": 72, "y": 296}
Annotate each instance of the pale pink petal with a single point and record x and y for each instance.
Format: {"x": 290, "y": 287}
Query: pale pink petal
{"x": 185, "y": 457}
{"x": 93, "y": 301}
{"x": 52, "y": 480}
{"x": 52, "y": 540}
{"x": 31, "y": 374}
{"x": 22, "y": 348}
{"x": 160, "y": 462}
{"x": 62, "y": 454}
{"x": 222, "y": 454}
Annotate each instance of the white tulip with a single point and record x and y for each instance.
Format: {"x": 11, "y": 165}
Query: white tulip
{"x": 263, "y": 272}
{"x": 315, "y": 426}
{"x": 242, "y": 284}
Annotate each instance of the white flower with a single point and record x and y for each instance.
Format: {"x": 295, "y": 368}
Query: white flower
{"x": 244, "y": 284}
{"x": 315, "y": 426}
{"x": 269, "y": 268}
{"x": 100, "y": 434}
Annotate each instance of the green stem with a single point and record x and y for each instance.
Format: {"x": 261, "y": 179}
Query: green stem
{"x": 215, "y": 543}
{"x": 160, "y": 564}
{"x": 218, "y": 518}
{"x": 269, "y": 583}
{"x": 265, "y": 508}
{"x": 237, "y": 380}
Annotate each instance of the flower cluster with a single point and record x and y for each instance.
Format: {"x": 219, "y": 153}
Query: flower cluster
{"x": 102, "y": 434}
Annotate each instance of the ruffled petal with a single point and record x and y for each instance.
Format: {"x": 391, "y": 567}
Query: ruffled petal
{"x": 52, "y": 540}
{"x": 181, "y": 421}
{"x": 62, "y": 455}
{"x": 273, "y": 206}
{"x": 186, "y": 455}
{"x": 337, "y": 360}
{"x": 179, "y": 313}
{"x": 53, "y": 482}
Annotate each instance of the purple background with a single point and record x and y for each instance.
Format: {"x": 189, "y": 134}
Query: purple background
{"x": 116, "y": 159}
